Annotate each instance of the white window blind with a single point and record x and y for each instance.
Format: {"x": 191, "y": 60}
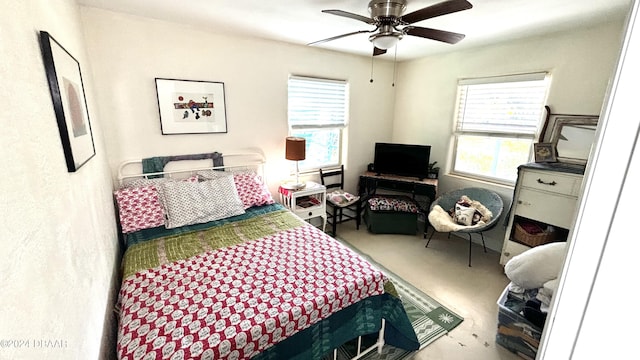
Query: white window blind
{"x": 317, "y": 103}
{"x": 503, "y": 104}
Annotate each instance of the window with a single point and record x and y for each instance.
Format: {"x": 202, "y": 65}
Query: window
{"x": 318, "y": 112}
{"x": 497, "y": 120}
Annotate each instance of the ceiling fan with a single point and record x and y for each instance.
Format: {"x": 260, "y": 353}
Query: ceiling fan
{"x": 391, "y": 25}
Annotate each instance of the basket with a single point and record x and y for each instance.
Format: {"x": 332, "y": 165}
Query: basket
{"x": 532, "y": 239}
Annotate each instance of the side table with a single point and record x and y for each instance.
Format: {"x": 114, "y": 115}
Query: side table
{"x": 307, "y": 203}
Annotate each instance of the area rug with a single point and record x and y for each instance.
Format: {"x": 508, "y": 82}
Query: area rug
{"x": 429, "y": 318}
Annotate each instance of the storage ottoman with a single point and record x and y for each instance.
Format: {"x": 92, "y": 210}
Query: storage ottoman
{"x": 515, "y": 332}
{"x": 391, "y": 214}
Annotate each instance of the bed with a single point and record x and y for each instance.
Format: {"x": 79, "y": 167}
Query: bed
{"x": 214, "y": 268}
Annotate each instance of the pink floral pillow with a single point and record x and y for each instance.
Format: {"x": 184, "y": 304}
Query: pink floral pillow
{"x": 251, "y": 189}
{"x": 140, "y": 207}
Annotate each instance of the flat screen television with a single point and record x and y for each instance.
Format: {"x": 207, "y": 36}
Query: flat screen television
{"x": 402, "y": 159}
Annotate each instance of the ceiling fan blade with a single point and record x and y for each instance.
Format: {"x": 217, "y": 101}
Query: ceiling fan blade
{"x": 443, "y": 8}
{"x": 338, "y": 37}
{"x": 434, "y": 34}
{"x": 377, "y": 51}
{"x": 351, "y": 16}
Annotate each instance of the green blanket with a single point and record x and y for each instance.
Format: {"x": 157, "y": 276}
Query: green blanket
{"x": 167, "y": 249}
{"x": 157, "y": 232}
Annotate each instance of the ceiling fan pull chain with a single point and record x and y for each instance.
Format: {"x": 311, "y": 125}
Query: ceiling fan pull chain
{"x": 371, "y": 79}
{"x": 395, "y": 56}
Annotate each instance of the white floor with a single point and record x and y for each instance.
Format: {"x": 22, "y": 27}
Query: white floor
{"x": 442, "y": 272}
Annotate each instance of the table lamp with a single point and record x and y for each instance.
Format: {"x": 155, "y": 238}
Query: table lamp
{"x": 295, "y": 150}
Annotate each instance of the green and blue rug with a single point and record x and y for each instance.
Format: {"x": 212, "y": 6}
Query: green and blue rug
{"x": 429, "y": 318}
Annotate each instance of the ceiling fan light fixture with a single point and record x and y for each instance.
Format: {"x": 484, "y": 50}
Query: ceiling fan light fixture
{"x": 385, "y": 41}
{"x": 380, "y": 9}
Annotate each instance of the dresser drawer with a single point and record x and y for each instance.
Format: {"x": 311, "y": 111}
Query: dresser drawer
{"x": 511, "y": 249}
{"x": 310, "y": 212}
{"x": 552, "y": 181}
{"x": 552, "y": 209}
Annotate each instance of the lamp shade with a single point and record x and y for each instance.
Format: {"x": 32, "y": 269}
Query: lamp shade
{"x": 295, "y": 148}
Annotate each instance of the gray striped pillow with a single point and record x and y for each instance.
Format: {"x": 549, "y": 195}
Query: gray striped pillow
{"x": 192, "y": 203}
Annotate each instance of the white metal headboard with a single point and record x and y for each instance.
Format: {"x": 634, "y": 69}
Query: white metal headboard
{"x": 133, "y": 168}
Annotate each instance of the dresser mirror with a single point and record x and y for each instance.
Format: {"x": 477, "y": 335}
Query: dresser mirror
{"x": 573, "y": 136}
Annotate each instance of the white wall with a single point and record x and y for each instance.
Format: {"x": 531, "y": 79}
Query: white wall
{"x": 58, "y": 271}
{"x": 128, "y": 52}
{"x": 581, "y": 63}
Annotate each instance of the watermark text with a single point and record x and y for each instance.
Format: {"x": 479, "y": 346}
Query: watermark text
{"x": 33, "y": 344}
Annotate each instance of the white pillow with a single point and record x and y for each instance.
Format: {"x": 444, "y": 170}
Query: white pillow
{"x": 464, "y": 215}
{"x": 192, "y": 203}
{"x": 536, "y": 266}
{"x": 251, "y": 188}
{"x": 212, "y": 174}
{"x": 140, "y": 182}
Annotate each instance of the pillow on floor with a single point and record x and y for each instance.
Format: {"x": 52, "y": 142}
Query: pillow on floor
{"x": 534, "y": 267}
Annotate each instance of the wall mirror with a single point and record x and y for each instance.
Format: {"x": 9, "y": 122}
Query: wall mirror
{"x": 573, "y": 136}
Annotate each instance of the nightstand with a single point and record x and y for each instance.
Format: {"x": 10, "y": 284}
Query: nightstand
{"x": 307, "y": 203}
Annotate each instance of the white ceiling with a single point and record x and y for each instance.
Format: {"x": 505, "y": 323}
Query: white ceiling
{"x": 302, "y": 22}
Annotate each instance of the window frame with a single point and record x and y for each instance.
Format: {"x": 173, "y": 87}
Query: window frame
{"x": 457, "y": 132}
{"x": 332, "y": 125}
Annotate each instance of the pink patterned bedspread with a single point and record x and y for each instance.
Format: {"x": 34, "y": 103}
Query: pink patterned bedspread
{"x": 234, "y": 302}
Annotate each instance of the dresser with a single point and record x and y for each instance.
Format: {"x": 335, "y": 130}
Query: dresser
{"x": 545, "y": 194}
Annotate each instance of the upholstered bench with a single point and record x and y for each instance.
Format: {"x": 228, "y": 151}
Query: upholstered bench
{"x": 391, "y": 214}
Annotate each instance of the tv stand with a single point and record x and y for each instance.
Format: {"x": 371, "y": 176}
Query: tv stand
{"x": 421, "y": 190}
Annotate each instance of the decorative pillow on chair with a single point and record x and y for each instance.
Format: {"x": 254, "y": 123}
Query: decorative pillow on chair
{"x": 468, "y": 212}
{"x": 342, "y": 198}
{"x": 194, "y": 203}
{"x": 251, "y": 189}
{"x": 464, "y": 215}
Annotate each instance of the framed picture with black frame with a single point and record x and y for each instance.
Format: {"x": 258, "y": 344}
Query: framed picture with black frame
{"x": 69, "y": 102}
{"x": 191, "y": 106}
